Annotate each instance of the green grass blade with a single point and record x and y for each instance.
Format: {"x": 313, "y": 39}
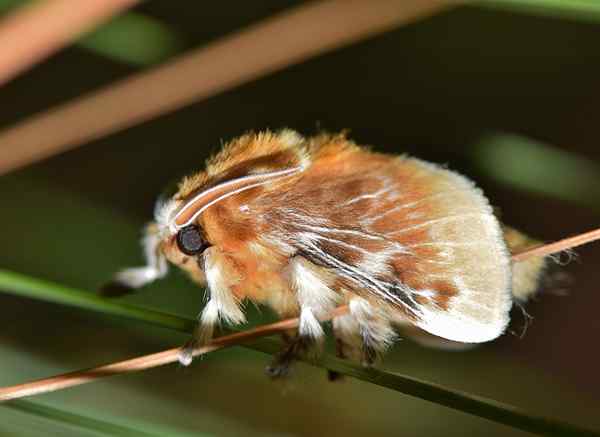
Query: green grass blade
{"x": 458, "y": 400}
{"x": 585, "y": 10}
{"x": 22, "y": 285}
{"x": 76, "y": 420}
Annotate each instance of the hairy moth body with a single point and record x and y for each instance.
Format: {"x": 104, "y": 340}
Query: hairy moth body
{"x": 305, "y": 224}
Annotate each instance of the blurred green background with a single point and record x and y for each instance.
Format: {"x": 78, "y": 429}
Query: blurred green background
{"x": 506, "y": 98}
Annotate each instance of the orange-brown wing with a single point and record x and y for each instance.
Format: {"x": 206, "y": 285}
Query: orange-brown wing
{"x": 405, "y": 232}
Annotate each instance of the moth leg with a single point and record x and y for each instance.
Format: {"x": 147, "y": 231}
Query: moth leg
{"x": 315, "y": 299}
{"x": 340, "y": 352}
{"x": 128, "y": 280}
{"x": 295, "y": 346}
{"x": 346, "y": 331}
{"x": 222, "y": 304}
{"x": 364, "y": 333}
{"x": 297, "y": 343}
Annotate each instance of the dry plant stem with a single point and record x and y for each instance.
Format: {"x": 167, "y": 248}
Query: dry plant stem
{"x": 35, "y": 31}
{"x": 147, "y": 361}
{"x": 273, "y": 44}
{"x": 559, "y": 246}
{"x": 169, "y": 356}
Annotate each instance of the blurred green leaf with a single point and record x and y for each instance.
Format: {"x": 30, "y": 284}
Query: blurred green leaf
{"x": 132, "y": 37}
{"x": 536, "y": 167}
{"x": 22, "y": 285}
{"x": 7, "y": 5}
{"x": 586, "y": 10}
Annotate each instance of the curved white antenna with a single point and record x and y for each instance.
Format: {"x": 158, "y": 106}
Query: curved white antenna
{"x": 195, "y": 206}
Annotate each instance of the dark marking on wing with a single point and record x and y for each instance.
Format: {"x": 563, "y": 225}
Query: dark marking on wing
{"x": 389, "y": 290}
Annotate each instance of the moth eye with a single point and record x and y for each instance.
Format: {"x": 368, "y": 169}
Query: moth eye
{"x": 190, "y": 240}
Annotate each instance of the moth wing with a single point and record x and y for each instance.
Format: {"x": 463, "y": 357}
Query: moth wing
{"x": 459, "y": 269}
{"x": 407, "y": 233}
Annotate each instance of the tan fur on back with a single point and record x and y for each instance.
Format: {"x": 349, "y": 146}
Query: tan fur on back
{"x": 418, "y": 241}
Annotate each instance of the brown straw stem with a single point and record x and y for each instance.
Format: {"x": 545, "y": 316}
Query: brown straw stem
{"x": 171, "y": 355}
{"x": 558, "y": 246}
{"x": 37, "y": 30}
{"x": 273, "y": 44}
{"x": 79, "y": 377}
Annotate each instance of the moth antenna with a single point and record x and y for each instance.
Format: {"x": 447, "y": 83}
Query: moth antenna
{"x": 191, "y": 209}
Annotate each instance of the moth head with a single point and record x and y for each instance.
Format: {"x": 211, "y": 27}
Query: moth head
{"x": 178, "y": 234}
